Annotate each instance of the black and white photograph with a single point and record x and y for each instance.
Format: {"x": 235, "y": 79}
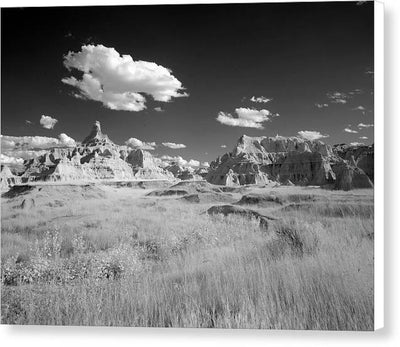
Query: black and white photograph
{"x": 189, "y": 166}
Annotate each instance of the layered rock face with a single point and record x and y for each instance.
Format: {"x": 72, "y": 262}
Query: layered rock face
{"x": 7, "y": 178}
{"x": 361, "y": 156}
{"x": 96, "y": 158}
{"x": 262, "y": 160}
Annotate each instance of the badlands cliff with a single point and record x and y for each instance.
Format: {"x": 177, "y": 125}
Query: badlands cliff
{"x": 96, "y": 158}
{"x": 293, "y": 160}
{"x": 254, "y": 160}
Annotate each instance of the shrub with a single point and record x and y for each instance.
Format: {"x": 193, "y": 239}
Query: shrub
{"x": 301, "y": 236}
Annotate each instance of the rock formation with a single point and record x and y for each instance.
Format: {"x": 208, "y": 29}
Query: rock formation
{"x": 362, "y": 156}
{"x": 7, "y": 178}
{"x": 291, "y": 160}
{"x": 96, "y": 158}
{"x": 247, "y": 213}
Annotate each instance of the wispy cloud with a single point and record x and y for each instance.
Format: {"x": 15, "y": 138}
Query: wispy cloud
{"x": 246, "y": 118}
{"x": 343, "y": 97}
{"x": 351, "y": 131}
{"x": 118, "y": 81}
{"x": 174, "y": 145}
{"x": 337, "y": 97}
{"x": 363, "y": 138}
{"x": 356, "y": 91}
{"x": 48, "y": 122}
{"x": 311, "y": 135}
{"x": 357, "y": 144}
{"x": 223, "y": 146}
{"x": 362, "y": 125}
{"x": 260, "y": 99}
{"x": 321, "y": 105}
{"x": 158, "y": 109}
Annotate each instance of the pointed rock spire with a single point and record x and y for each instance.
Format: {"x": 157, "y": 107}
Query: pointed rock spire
{"x": 96, "y": 137}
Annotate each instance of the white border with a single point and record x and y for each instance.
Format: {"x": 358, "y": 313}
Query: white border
{"x": 65, "y": 336}
{"x": 379, "y": 166}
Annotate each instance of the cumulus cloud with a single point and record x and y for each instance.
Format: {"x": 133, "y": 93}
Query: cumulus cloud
{"x": 28, "y": 147}
{"x": 205, "y": 164}
{"x": 178, "y": 160}
{"x": 174, "y": 145}
{"x": 9, "y": 160}
{"x": 351, "y": 131}
{"x": 35, "y": 142}
{"x": 47, "y": 122}
{"x": 359, "y": 108}
{"x": 362, "y": 125}
{"x": 118, "y": 81}
{"x": 193, "y": 162}
{"x": 66, "y": 140}
{"x": 260, "y": 99}
{"x": 321, "y": 105}
{"x": 136, "y": 143}
{"x": 363, "y": 138}
{"x": 311, "y": 135}
{"x": 246, "y": 118}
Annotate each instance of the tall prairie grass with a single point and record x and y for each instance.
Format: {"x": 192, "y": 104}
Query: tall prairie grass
{"x": 163, "y": 263}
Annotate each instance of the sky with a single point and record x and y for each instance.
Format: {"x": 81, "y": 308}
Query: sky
{"x": 188, "y": 80}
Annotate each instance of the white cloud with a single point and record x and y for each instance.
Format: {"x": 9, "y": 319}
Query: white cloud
{"x": 136, "y": 143}
{"x": 47, "y": 122}
{"x": 4, "y": 159}
{"x": 182, "y": 162}
{"x": 351, "y": 131}
{"x": 260, "y": 99}
{"x": 246, "y": 118}
{"x": 193, "y": 162}
{"x": 28, "y": 147}
{"x": 311, "y": 135}
{"x": 356, "y": 91}
{"x": 205, "y": 164}
{"x": 66, "y": 140}
{"x": 118, "y": 82}
{"x": 174, "y": 145}
{"x": 357, "y": 144}
{"x": 223, "y": 146}
{"x": 362, "y": 125}
{"x": 321, "y": 105}
{"x": 337, "y": 97}
{"x": 359, "y": 108}
{"x": 363, "y": 138}
{"x": 28, "y": 122}
{"x": 35, "y": 142}
{"x": 158, "y": 109}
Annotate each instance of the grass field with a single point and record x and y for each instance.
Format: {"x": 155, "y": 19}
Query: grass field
{"x": 106, "y": 255}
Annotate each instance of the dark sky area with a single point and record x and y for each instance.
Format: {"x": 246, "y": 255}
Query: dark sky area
{"x": 223, "y": 55}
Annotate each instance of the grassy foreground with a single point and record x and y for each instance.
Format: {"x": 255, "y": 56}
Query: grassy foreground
{"x": 121, "y": 259}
